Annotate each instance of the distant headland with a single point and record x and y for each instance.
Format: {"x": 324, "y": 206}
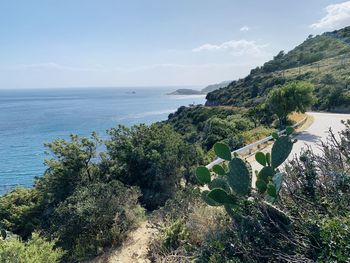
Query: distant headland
{"x": 203, "y": 91}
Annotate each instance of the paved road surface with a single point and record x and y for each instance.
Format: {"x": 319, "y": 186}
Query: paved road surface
{"x": 319, "y": 130}
{"x": 313, "y": 134}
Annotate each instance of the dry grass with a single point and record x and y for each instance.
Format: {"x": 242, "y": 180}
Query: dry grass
{"x": 306, "y": 124}
{"x": 296, "y": 116}
{"x": 324, "y": 65}
{"x": 256, "y": 134}
{"x": 204, "y": 221}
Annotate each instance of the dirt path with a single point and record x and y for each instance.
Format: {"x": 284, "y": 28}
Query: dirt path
{"x": 134, "y": 248}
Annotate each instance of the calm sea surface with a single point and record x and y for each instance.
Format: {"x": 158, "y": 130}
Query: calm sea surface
{"x": 30, "y": 118}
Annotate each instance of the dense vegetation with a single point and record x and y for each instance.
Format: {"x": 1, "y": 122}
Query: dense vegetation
{"x": 294, "y": 96}
{"x": 321, "y": 60}
{"x": 68, "y": 203}
{"x": 155, "y": 158}
{"x": 35, "y": 250}
{"x": 303, "y": 219}
{"x": 208, "y": 125}
{"x": 94, "y": 191}
{"x": 135, "y": 168}
{"x": 140, "y": 167}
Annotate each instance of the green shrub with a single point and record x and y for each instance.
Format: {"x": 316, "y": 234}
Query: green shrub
{"x": 256, "y": 134}
{"x": 335, "y": 239}
{"x": 20, "y": 211}
{"x": 208, "y": 125}
{"x": 294, "y": 96}
{"x": 35, "y": 250}
{"x": 70, "y": 165}
{"x": 217, "y": 129}
{"x": 185, "y": 224}
{"x": 95, "y": 217}
{"x": 152, "y": 158}
{"x": 175, "y": 235}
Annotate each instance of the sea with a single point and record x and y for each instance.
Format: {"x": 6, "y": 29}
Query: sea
{"x": 31, "y": 118}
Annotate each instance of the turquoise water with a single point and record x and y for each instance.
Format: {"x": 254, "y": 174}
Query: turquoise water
{"x": 30, "y": 118}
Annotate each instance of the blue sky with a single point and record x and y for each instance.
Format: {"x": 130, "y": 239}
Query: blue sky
{"x": 76, "y": 43}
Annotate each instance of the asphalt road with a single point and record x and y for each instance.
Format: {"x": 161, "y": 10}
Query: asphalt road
{"x": 311, "y": 136}
{"x": 319, "y": 130}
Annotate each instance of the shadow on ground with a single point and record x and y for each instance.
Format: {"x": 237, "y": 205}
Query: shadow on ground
{"x": 307, "y": 137}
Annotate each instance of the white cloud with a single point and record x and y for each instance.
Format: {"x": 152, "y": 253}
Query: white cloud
{"x": 244, "y": 28}
{"x": 235, "y": 47}
{"x": 338, "y": 15}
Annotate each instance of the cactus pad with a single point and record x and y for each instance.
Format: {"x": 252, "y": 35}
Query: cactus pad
{"x": 261, "y": 185}
{"x": 281, "y": 150}
{"x": 277, "y": 180}
{"x": 289, "y": 130}
{"x": 260, "y": 158}
{"x": 221, "y": 197}
{"x": 271, "y": 190}
{"x": 222, "y": 150}
{"x": 208, "y": 200}
{"x": 268, "y": 159}
{"x": 203, "y": 174}
{"x": 239, "y": 176}
{"x": 265, "y": 173}
{"x": 218, "y": 169}
{"x": 219, "y": 183}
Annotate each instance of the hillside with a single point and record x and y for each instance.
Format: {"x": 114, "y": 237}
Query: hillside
{"x": 207, "y": 125}
{"x": 323, "y": 60}
{"x": 213, "y": 87}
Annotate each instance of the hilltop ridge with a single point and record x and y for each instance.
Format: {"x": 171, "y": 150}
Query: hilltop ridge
{"x": 323, "y": 60}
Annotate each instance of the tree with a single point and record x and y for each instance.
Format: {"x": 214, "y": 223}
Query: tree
{"x": 293, "y": 96}
{"x": 217, "y": 129}
{"x": 94, "y": 217}
{"x": 77, "y": 202}
{"x": 192, "y": 155}
{"x": 150, "y": 157}
{"x": 71, "y": 164}
{"x": 256, "y": 114}
{"x": 20, "y": 211}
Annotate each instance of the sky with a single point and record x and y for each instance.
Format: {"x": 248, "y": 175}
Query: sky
{"x": 100, "y": 43}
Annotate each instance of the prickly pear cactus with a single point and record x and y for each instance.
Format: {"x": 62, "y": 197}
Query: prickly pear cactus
{"x": 229, "y": 188}
{"x": 269, "y": 180}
